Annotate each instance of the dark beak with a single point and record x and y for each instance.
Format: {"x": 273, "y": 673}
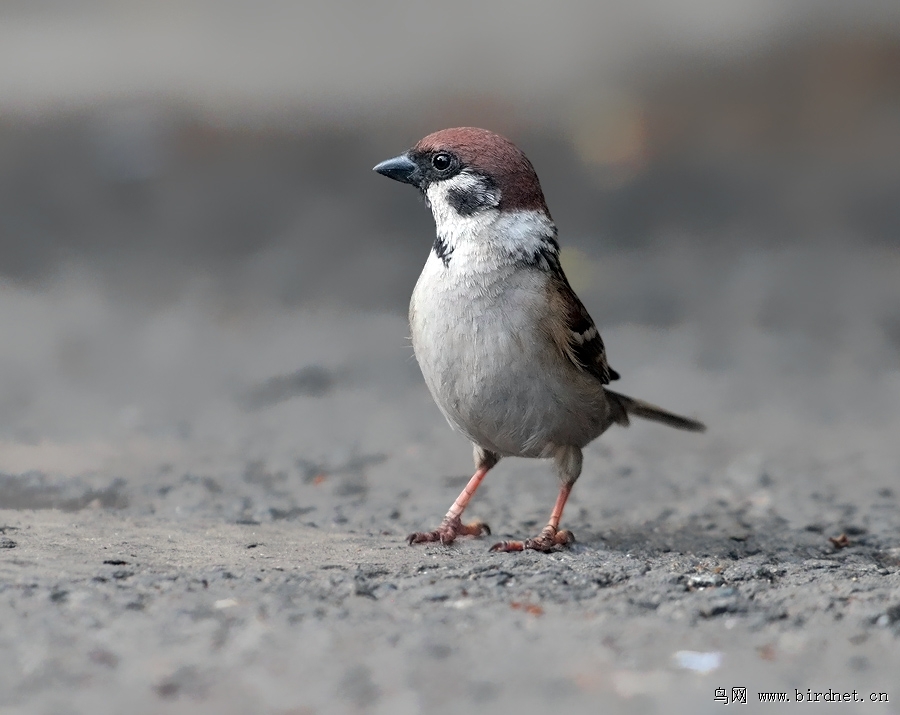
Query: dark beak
{"x": 400, "y": 168}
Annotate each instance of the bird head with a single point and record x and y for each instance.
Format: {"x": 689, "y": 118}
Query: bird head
{"x": 476, "y": 183}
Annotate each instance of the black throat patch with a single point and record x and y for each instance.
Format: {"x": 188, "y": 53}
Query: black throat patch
{"x": 442, "y": 250}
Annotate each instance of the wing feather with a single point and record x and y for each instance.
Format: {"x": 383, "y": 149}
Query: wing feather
{"x": 575, "y": 332}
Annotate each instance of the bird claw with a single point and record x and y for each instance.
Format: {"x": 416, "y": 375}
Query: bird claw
{"x": 549, "y": 539}
{"x": 447, "y": 532}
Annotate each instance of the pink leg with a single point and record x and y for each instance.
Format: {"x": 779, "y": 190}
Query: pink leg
{"x": 550, "y": 535}
{"x": 452, "y": 525}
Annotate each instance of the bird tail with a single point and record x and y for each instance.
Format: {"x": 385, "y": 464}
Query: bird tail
{"x": 638, "y": 408}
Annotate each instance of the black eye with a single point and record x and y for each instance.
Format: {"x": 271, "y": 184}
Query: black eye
{"x": 441, "y": 161}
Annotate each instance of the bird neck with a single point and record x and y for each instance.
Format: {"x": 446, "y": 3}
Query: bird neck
{"x": 493, "y": 239}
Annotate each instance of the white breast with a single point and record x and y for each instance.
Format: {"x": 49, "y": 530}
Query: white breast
{"x": 491, "y": 370}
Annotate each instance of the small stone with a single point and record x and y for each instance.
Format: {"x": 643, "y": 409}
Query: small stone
{"x": 698, "y": 662}
{"x": 705, "y": 580}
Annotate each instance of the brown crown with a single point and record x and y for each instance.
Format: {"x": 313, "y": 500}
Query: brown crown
{"x": 495, "y": 156}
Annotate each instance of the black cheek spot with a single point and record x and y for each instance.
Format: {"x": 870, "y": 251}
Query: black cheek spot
{"x": 482, "y": 193}
{"x": 466, "y": 202}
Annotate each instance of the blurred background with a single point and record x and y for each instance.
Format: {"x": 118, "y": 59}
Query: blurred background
{"x": 194, "y": 250}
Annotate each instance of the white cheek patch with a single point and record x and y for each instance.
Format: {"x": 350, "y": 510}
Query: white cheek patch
{"x": 451, "y": 225}
{"x": 466, "y": 182}
{"x": 464, "y": 195}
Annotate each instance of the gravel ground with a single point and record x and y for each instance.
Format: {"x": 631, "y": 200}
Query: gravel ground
{"x": 252, "y": 557}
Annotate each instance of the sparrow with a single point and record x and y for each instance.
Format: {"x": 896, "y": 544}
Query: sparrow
{"x": 509, "y": 353}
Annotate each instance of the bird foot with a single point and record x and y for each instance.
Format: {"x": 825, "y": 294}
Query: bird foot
{"x": 447, "y": 532}
{"x": 549, "y": 539}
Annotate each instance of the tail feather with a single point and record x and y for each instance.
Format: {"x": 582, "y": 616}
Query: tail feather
{"x": 639, "y": 408}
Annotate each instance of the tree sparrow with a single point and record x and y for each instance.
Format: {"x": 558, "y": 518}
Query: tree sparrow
{"x": 508, "y": 351}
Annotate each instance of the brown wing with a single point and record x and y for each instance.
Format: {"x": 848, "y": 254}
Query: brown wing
{"x": 575, "y": 333}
